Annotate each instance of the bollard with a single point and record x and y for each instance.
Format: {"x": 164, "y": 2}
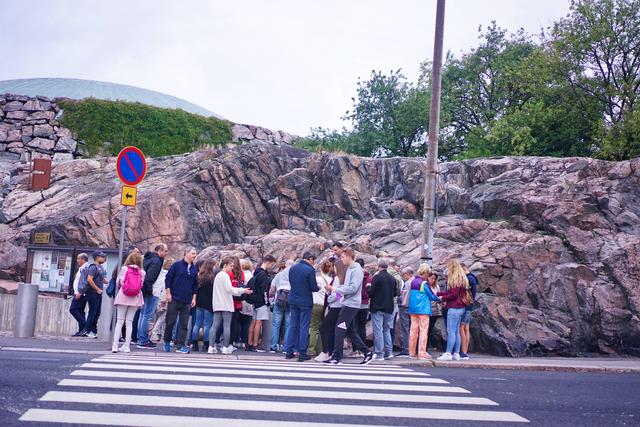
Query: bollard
{"x": 105, "y": 321}
{"x": 266, "y": 332}
{"x": 26, "y": 308}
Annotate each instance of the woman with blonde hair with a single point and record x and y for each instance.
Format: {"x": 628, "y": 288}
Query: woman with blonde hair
{"x": 420, "y": 297}
{"x": 457, "y": 287}
{"x": 128, "y": 299}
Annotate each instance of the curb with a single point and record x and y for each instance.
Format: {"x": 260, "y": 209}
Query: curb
{"x": 411, "y": 364}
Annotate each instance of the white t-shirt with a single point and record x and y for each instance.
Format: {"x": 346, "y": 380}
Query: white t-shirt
{"x": 158, "y": 286}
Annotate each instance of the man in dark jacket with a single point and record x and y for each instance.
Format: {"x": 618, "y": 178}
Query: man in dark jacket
{"x": 152, "y": 265}
{"x": 262, "y": 281}
{"x": 181, "y": 288}
{"x": 382, "y": 293}
{"x": 302, "y": 278}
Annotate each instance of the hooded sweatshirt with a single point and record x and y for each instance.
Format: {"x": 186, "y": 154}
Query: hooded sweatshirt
{"x": 350, "y": 293}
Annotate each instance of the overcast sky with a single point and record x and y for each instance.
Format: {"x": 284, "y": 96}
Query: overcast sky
{"x": 287, "y": 65}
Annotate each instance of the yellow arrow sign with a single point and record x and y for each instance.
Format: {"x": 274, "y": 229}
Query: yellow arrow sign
{"x": 128, "y": 196}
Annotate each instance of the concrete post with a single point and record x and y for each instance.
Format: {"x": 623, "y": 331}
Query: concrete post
{"x": 26, "y": 308}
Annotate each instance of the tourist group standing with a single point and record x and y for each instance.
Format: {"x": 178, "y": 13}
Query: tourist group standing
{"x": 315, "y": 307}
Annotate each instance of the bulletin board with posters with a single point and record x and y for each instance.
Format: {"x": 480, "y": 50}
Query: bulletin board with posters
{"x": 53, "y": 268}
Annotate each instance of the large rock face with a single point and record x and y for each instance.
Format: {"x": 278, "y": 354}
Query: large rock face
{"x": 555, "y": 242}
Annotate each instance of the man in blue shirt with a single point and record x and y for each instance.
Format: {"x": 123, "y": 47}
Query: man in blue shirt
{"x": 181, "y": 287}
{"x": 302, "y": 278}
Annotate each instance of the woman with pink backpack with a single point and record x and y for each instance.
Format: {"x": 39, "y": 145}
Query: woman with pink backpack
{"x": 128, "y": 298}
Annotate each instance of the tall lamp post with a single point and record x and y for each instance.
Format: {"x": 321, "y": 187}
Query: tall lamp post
{"x": 429, "y": 212}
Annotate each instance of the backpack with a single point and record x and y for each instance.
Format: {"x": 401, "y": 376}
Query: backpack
{"x": 83, "y": 284}
{"x": 467, "y": 297}
{"x": 132, "y": 283}
{"x": 282, "y": 299}
{"x": 251, "y": 298}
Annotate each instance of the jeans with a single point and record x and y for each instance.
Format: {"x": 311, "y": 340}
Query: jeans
{"x": 175, "y": 310}
{"x": 224, "y": 318}
{"x": 328, "y": 330}
{"x": 95, "y": 302}
{"x": 203, "y": 319}
{"x": 344, "y": 328}
{"x": 454, "y": 317}
{"x": 382, "y": 323}
{"x": 77, "y": 311}
{"x": 278, "y": 316}
{"x": 298, "y": 334}
{"x": 146, "y": 315}
{"x": 405, "y": 325}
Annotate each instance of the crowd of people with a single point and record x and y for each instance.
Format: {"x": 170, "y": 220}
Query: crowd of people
{"x": 315, "y": 307}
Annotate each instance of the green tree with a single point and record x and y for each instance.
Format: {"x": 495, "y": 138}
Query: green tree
{"x": 390, "y": 115}
{"x": 597, "y": 48}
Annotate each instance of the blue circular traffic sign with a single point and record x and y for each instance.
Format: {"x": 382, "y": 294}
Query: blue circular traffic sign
{"x": 131, "y": 166}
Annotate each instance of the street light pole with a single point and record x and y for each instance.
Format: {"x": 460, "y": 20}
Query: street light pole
{"x": 429, "y": 211}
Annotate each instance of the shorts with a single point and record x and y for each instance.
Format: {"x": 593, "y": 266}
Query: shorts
{"x": 261, "y": 313}
{"x": 466, "y": 317}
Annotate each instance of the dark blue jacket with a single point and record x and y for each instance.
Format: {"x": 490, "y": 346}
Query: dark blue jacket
{"x": 302, "y": 277}
{"x": 183, "y": 281}
{"x": 473, "y": 285}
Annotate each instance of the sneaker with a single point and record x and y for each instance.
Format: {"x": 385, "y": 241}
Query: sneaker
{"x": 304, "y": 358}
{"x": 92, "y": 335}
{"x": 172, "y": 343}
{"x": 322, "y": 357}
{"x": 227, "y": 350}
{"x": 333, "y": 362}
{"x": 114, "y": 349}
{"x": 124, "y": 349}
{"x": 402, "y": 354}
{"x": 184, "y": 350}
{"x": 212, "y": 349}
{"x": 290, "y": 356}
{"x": 166, "y": 347}
{"x": 79, "y": 334}
{"x": 251, "y": 348}
{"x": 445, "y": 356}
{"x": 464, "y": 356}
{"x": 388, "y": 356}
{"x": 148, "y": 345}
{"x": 456, "y": 356}
{"x": 368, "y": 358}
{"x": 355, "y": 354}
{"x": 260, "y": 350}
{"x": 273, "y": 350}
{"x": 121, "y": 339}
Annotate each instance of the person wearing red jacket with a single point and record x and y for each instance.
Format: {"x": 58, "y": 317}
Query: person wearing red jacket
{"x": 457, "y": 286}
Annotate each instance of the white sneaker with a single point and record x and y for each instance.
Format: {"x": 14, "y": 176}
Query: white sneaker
{"x": 114, "y": 349}
{"x": 456, "y": 356}
{"x": 92, "y": 335}
{"x": 227, "y": 350}
{"x": 124, "y": 349}
{"x": 445, "y": 356}
{"x": 212, "y": 349}
{"x": 322, "y": 357}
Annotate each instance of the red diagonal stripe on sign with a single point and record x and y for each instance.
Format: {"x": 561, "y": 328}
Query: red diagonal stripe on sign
{"x": 131, "y": 166}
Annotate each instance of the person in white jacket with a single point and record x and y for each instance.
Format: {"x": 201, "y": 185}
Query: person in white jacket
{"x": 223, "y": 293}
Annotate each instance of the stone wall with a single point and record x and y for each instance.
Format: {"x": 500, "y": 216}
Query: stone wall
{"x": 30, "y": 127}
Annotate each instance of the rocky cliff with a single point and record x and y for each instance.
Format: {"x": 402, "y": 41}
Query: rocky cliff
{"x": 555, "y": 242}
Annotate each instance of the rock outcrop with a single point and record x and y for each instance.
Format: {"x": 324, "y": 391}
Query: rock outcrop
{"x": 555, "y": 242}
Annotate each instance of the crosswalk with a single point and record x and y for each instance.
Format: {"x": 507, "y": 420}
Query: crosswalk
{"x": 149, "y": 390}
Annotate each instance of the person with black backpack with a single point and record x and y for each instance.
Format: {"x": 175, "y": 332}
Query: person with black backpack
{"x": 128, "y": 299}
{"x": 259, "y": 285}
{"x": 280, "y": 288}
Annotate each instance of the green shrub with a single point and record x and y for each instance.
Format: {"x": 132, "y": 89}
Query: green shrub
{"x": 108, "y": 126}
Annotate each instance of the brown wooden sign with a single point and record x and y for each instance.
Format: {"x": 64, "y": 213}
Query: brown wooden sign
{"x": 41, "y": 238}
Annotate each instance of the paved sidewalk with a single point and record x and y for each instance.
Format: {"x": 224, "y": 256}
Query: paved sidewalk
{"x": 57, "y": 344}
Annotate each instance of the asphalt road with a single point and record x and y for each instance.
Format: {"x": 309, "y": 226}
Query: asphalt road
{"x": 542, "y": 398}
